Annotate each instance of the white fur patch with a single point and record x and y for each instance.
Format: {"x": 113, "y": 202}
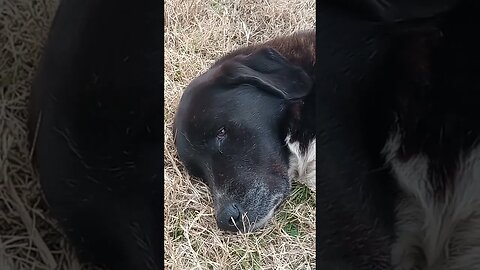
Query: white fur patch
{"x": 302, "y": 166}
{"x": 432, "y": 233}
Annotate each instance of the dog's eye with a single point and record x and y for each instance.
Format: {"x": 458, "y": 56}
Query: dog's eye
{"x": 221, "y": 133}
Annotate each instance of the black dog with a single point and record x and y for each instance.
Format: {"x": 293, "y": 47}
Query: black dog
{"x": 236, "y": 122}
{"x": 398, "y": 125}
{"x": 95, "y": 118}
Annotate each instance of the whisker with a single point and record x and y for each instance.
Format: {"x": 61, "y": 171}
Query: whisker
{"x": 189, "y": 142}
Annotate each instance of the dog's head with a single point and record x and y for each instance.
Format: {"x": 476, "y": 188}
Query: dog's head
{"x": 230, "y": 130}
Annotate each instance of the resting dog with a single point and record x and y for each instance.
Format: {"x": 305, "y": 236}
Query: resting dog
{"x": 246, "y": 127}
{"x": 398, "y": 130}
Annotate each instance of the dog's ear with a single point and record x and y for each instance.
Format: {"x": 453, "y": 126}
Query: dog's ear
{"x": 270, "y": 71}
{"x": 391, "y": 10}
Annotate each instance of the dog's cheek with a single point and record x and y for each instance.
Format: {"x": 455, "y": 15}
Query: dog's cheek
{"x": 278, "y": 181}
{"x": 279, "y": 169}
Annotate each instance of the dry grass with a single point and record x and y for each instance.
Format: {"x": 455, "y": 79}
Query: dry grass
{"x": 196, "y": 33}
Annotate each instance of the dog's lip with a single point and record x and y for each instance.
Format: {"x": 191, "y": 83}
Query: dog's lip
{"x": 269, "y": 215}
{"x": 278, "y": 204}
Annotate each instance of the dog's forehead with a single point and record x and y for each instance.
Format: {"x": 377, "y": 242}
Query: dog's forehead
{"x": 198, "y": 107}
{"x": 202, "y": 88}
{"x": 208, "y": 103}
{"x": 208, "y": 95}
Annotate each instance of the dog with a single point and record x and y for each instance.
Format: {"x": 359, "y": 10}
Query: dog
{"x": 246, "y": 128}
{"x": 397, "y": 131}
{"x": 95, "y": 114}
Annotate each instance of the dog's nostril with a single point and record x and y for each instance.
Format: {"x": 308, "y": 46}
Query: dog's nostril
{"x": 235, "y": 214}
{"x": 228, "y": 215}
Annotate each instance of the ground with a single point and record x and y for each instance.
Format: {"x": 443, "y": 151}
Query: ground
{"x": 196, "y": 33}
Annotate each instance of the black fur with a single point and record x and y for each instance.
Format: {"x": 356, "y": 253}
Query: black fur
{"x": 412, "y": 69}
{"x": 232, "y": 121}
{"x": 355, "y": 197}
{"x": 97, "y": 102}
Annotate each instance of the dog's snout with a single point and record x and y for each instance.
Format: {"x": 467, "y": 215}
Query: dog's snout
{"x": 229, "y": 216}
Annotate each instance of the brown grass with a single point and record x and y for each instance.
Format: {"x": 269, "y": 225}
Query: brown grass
{"x": 196, "y": 33}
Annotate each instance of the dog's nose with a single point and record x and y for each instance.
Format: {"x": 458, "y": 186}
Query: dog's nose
{"x": 229, "y": 214}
